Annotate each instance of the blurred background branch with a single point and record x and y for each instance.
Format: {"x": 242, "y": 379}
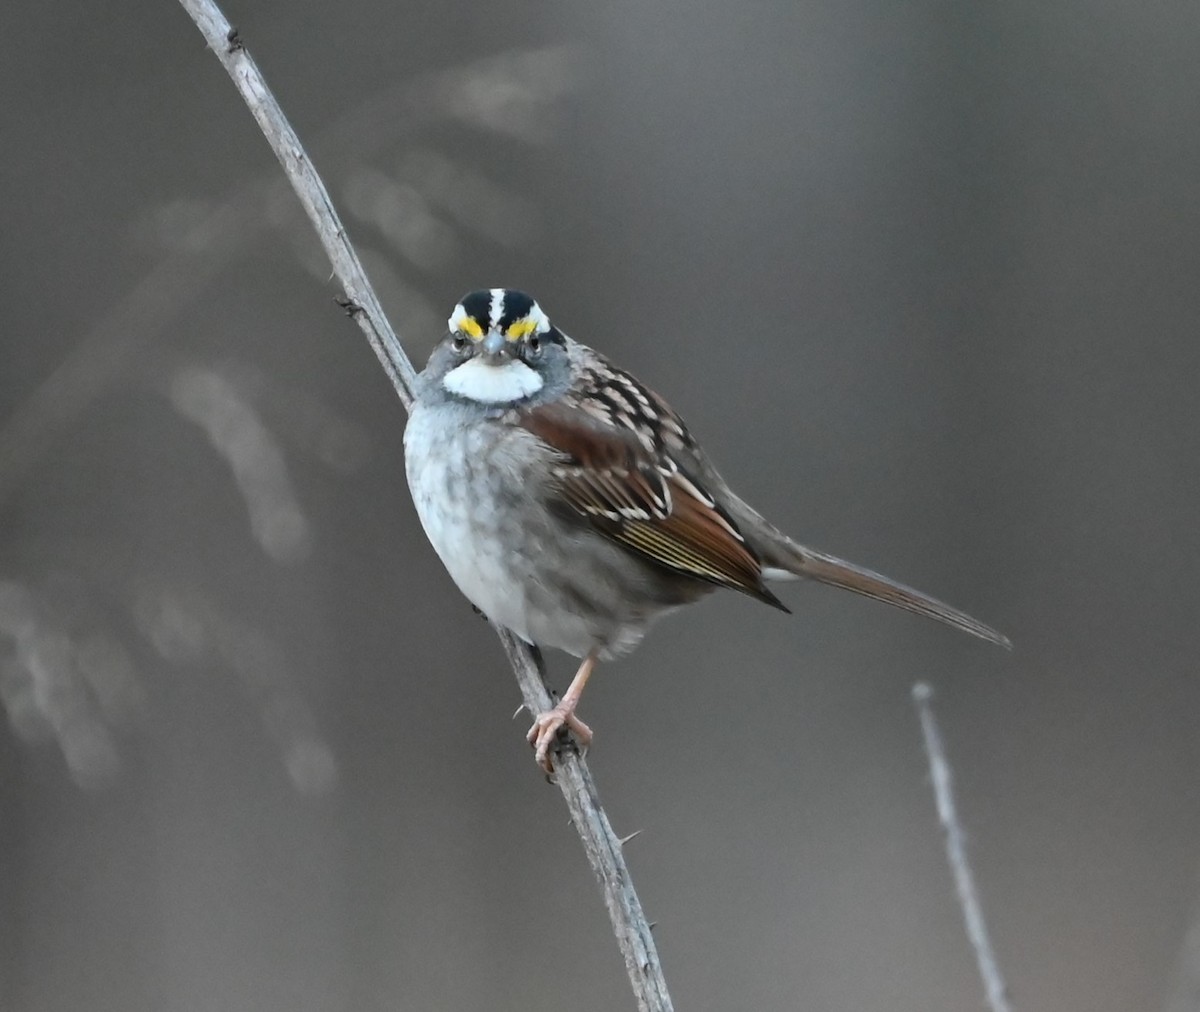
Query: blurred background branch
{"x": 198, "y": 241}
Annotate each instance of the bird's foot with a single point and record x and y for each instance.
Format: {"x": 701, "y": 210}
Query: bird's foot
{"x": 548, "y": 731}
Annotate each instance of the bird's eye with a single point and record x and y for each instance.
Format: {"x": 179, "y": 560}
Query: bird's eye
{"x": 458, "y": 343}
{"x": 534, "y": 344}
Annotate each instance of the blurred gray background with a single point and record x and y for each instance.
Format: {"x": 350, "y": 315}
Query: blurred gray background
{"x": 923, "y": 277}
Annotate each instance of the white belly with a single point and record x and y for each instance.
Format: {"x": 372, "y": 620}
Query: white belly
{"x": 450, "y": 479}
{"x": 481, "y": 509}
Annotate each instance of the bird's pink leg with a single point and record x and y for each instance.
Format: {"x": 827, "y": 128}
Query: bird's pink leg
{"x": 546, "y": 725}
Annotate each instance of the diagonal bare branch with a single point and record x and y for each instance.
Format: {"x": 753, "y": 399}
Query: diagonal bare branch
{"x": 574, "y": 779}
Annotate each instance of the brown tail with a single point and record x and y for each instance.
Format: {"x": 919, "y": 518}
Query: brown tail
{"x": 839, "y": 573}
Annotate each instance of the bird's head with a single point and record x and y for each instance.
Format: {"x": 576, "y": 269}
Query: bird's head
{"x": 501, "y": 349}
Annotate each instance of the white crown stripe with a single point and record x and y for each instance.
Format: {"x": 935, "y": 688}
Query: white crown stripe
{"x": 496, "y": 308}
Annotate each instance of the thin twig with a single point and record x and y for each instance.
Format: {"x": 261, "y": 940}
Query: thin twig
{"x": 1185, "y": 979}
{"x": 574, "y": 779}
{"x": 956, "y": 852}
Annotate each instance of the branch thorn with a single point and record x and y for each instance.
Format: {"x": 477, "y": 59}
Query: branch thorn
{"x": 351, "y": 307}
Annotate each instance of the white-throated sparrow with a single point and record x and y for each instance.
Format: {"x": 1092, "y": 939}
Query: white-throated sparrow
{"x": 571, "y": 504}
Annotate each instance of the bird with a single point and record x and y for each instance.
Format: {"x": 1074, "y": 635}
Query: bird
{"x": 573, "y": 506}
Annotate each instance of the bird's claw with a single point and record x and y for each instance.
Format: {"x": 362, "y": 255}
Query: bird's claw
{"x": 549, "y": 732}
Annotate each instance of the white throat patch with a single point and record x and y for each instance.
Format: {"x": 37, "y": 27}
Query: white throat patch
{"x": 492, "y": 384}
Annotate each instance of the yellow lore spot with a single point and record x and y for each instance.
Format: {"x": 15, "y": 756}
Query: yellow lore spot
{"x": 519, "y": 329}
{"x": 470, "y": 326}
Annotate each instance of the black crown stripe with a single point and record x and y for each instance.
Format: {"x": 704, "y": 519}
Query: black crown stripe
{"x": 517, "y": 306}
{"x": 477, "y": 306}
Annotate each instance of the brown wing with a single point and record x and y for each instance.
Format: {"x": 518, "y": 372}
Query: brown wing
{"x": 638, "y": 496}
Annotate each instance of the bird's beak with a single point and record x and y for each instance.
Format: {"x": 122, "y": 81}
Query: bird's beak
{"x": 492, "y": 347}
